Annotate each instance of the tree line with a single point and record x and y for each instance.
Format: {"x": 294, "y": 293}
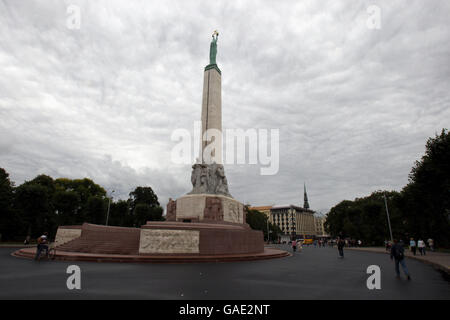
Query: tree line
{"x": 420, "y": 210}
{"x": 258, "y": 221}
{"x": 44, "y": 203}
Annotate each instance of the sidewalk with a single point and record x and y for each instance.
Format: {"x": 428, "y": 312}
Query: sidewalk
{"x": 439, "y": 260}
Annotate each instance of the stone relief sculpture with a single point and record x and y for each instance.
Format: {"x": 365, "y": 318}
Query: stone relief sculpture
{"x": 171, "y": 210}
{"x": 213, "y": 209}
{"x": 233, "y": 210}
{"x": 209, "y": 179}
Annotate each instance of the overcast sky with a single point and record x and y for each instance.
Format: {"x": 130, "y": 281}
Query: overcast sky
{"x": 354, "y": 105}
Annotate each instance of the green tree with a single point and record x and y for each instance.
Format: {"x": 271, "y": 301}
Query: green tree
{"x": 33, "y": 203}
{"x": 66, "y": 204}
{"x": 258, "y": 221}
{"x": 146, "y": 200}
{"x": 427, "y": 194}
{"x": 365, "y": 218}
{"x": 85, "y": 188}
{"x": 143, "y": 195}
{"x": 120, "y": 214}
{"x": 9, "y": 224}
{"x": 96, "y": 210}
{"x": 143, "y": 213}
{"x": 44, "y": 181}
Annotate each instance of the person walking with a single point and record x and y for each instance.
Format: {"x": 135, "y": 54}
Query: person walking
{"x": 398, "y": 255}
{"x": 294, "y": 246}
{"x": 299, "y": 246}
{"x": 421, "y": 246}
{"x": 412, "y": 246}
{"x": 340, "y": 245}
{"x": 431, "y": 244}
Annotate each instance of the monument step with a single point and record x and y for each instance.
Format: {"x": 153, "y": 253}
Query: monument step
{"x": 100, "y": 245}
{"x": 269, "y": 253}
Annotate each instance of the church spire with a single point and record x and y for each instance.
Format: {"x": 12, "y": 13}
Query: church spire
{"x": 305, "y": 198}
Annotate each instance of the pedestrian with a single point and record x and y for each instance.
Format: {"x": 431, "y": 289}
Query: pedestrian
{"x": 359, "y": 243}
{"x": 294, "y": 246}
{"x": 398, "y": 255}
{"x": 340, "y": 245}
{"x": 412, "y": 246}
{"x": 421, "y": 246}
{"x": 431, "y": 244}
{"x": 299, "y": 245}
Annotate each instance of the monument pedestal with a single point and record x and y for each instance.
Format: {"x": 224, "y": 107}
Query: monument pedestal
{"x": 205, "y": 207}
{"x": 204, "y": 239}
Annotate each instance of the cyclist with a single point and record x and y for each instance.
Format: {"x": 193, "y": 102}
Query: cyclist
{"x": 42, "y": 245}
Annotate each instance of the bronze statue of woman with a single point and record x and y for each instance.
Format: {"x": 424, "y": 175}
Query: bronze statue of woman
{"x": 213, "y": 48}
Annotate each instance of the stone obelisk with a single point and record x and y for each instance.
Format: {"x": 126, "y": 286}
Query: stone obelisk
{"x": 209, "y": 199}
{"x": 211, "y": 150}
{"x": 208, "y": 176}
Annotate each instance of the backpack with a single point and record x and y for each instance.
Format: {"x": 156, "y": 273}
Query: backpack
{"x": 399, "y": 255}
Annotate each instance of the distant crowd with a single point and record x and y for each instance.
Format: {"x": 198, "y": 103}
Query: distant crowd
{"x": 414, "y": 246}
{"x": 328, "y": 242}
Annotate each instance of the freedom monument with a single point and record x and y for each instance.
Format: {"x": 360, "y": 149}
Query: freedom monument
{"x": 206, "y": 224}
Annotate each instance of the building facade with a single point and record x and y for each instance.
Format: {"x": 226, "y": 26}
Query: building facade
{"x": 320, "y": 230}
{"x": 295, "y": 221}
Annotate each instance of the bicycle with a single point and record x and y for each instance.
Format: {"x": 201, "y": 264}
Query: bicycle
{"x": 48, "y": 254}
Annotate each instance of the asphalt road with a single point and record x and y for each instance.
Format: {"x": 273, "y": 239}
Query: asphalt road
{"x": 315, "y": 273}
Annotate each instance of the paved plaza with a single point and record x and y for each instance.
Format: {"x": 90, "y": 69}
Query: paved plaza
{"x": 314, "y": 273}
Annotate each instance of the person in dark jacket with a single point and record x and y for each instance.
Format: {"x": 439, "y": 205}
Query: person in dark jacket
{"x": 398, "y": 255}
{"x": 340, "y": 245}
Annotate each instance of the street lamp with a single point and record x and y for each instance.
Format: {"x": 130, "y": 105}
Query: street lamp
{"x": 109, "y": 205}
{"x": 388, "y": 218}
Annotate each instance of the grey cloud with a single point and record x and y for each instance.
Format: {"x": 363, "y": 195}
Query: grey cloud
{"x": 354, "y": 106}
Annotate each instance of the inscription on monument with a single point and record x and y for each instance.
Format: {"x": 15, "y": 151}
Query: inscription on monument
{"x": 169, "y": 241}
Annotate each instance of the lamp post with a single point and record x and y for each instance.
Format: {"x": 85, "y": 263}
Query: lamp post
{"x": 109, "y": 205}
{"x": 389, "y": 219}
{"x": 268, "y": 232}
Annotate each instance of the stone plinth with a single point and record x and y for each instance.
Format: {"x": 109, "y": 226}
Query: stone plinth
{"x": 66, "y": 234}
{"x": 199, "y": 238}
{"x": 205, "y": 207}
